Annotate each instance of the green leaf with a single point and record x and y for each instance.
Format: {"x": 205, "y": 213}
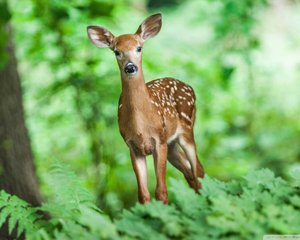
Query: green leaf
{"x": 4, "y": 213}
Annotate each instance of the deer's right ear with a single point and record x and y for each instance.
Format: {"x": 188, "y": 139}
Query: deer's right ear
{"x": 101, "y": 37}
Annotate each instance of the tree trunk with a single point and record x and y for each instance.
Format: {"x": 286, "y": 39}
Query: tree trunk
{"x": 17, "y": 171}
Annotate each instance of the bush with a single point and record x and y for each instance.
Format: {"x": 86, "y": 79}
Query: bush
{"x": 258, "y": 204}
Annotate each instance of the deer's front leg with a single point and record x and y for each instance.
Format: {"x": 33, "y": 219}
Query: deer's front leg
{"x": 160, "y": 164}
{"x": 140, "y": 168}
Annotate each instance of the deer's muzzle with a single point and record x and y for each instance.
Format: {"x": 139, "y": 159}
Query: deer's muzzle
{"x": 130, "y": 68}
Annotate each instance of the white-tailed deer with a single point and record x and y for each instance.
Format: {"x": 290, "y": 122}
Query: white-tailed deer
{"x": 155, "y": 117}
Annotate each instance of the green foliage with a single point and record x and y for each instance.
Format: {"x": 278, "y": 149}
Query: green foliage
{"x": 73, "y": 213}
{"x": 234, "y": 26}
{"x": 243, "y": 67}
{"x": 19, "y": 214}
{"x": 72, "y": 210}
{"x": 258, "y": 204}
{"x": 67, "y": 191}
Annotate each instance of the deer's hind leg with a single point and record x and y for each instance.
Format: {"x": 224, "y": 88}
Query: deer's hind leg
{"x": 187, "y": 143}
{"x": 179, "y": 160}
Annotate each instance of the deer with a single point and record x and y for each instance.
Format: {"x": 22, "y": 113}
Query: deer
{"x": 155, "y": 118}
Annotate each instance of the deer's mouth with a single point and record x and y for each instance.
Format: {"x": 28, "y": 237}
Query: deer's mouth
{"x": 130, "y": 68}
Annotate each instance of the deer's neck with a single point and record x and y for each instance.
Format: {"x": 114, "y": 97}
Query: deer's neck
{"x": 135, "y": 95}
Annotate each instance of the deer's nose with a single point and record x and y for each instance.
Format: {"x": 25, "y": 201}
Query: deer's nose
{"x": 130, "y": 68}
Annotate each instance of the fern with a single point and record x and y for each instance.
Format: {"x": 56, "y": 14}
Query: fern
{"x": 247, "y": 209}
{"x": 152, "y": 221}
{"x": 18, "y": 213}
{"x": 258, "y": 204}
{"x": 71, "y": 208}
{"x": 73, "y": 212}
{"x": 64, "y": 182}
{"x": 68, "y": 193}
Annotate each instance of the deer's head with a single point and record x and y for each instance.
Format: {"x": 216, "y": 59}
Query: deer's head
{"x": 127, "y": 47}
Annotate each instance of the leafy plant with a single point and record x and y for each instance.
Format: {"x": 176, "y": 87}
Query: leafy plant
{"x": 258, "y": 204}
{"x": 246, "y": 209}
{"x": 72, "y": 211}
{"x": 19, "y": 213}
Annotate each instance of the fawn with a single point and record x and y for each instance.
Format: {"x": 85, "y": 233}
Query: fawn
{"x": 155, "y": 117}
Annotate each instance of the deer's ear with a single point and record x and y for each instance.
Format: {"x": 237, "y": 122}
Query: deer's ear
{"x": 150, "y": 27}
{"x": 99, "y": 36}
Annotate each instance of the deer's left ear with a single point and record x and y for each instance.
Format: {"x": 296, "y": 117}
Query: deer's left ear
{"x": 100, "y": 36}
{"x": 150, "y": 27}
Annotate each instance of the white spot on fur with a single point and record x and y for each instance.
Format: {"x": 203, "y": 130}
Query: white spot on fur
{"x": 185, "y": 116}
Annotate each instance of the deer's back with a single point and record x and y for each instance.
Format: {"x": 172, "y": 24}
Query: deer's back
{"x": 173, "y": 99}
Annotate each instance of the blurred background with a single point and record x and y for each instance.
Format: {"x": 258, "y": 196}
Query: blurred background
{"x": 241, "y": 57}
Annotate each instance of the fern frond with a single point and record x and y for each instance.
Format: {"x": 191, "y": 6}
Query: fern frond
{"x": 67, "y": 187}
{"x": 18, "y": 213}
{"x": 68, "y": 194}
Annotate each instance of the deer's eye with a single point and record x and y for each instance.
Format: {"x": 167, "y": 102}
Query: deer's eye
{"x": 139, "y": 49}
{"x": 117, "y": 53}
